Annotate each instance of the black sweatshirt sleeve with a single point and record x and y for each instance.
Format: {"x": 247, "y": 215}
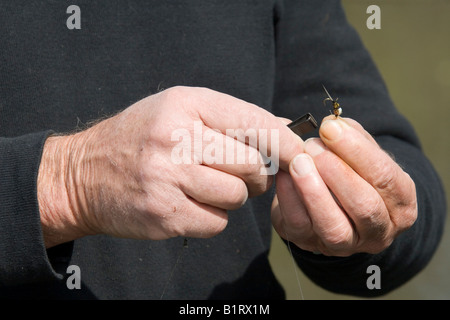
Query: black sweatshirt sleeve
{"x": 315, "y": 46}
{"x": 23, "y": 257}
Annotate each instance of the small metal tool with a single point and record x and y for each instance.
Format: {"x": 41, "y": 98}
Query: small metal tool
{"x": 303, "y": 125}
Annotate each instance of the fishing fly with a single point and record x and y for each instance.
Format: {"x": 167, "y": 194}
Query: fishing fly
{"x": 337, "y": 110}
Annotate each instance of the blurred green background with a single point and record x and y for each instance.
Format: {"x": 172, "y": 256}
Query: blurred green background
{"x": 412, "y": 52}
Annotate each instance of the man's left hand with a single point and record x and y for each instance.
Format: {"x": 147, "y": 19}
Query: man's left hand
{"x": 344, "y": 195}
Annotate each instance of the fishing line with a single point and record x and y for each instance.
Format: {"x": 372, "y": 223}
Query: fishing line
{"x": 180, "y": 254}
{"x": 294, "y": 265}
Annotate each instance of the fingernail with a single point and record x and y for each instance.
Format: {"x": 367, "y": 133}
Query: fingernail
{"x": 314, "y": 147}
{"x": 302, "y": 165}
{"x": 331, "y": 129}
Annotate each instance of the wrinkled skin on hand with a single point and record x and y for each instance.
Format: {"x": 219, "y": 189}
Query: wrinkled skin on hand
{"x": 119, "y": 178}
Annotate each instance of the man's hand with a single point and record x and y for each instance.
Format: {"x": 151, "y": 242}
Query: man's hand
{"x": 119, "y": 177}
{"x": 344, "y": 195}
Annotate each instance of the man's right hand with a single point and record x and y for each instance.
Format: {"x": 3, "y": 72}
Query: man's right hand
{"x": 119, "y": 177}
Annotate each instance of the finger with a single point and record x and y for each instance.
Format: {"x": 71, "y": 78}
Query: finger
{"x": 371, "y": 162}
{"x": 213, "y": 187}
{"x": 286, "y": 121}
{"x": 329, "y": 221}
{"x": 358, "y": 198}
{"x": 354, "y": 124}
{"x": 201, "y": 220}
{"x": 228, "y": 114}
{"x": 375, "y": 166}
{"x": 182, "y": 215}
{"x": 290, "y": 218}
{"x": 230, "y": 155}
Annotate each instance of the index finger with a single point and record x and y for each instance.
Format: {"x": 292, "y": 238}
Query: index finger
{"x": 370, "y": 161}
{"x": 240, "y": 119}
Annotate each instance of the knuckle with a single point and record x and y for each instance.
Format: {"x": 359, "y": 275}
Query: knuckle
{"x": 339, "y": 241}
{"x": 406, "y": 209}
{"x": 369, "y": 209}
{"x": 187, "y": 222}
{"x": 385, "y": 177}
{"x": 407, "y": 217}
{"x": 375, "y": 247}
{"x": 237, "y": 194}
{"x": 214, "y": 223}
{"x": 258, "y": 185}
{"x": 412, "y": 215}
{"x": 176, "y": 98}
{"x": 216, "y": 228}
{"x": 176, "y": 229}
{"x": 169, "y": 224}
{"x": 254, "y": 156}
{"x": 248, "y": 171}
{"x": 174, "y": 93}
{"x": 251, "y": 172}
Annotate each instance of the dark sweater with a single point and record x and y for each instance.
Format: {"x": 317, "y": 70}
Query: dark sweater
{"x": 276, "y": 54}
